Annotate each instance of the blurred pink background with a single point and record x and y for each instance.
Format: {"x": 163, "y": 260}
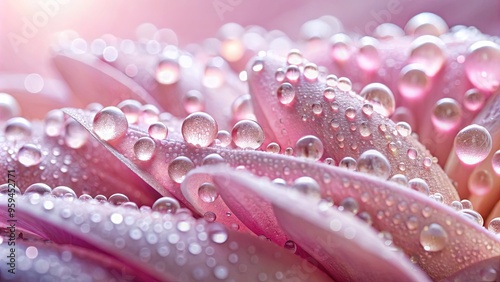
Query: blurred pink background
{"x": 194, "y": 20}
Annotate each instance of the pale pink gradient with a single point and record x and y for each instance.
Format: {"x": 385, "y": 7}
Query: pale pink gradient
{"x": 194, "y": 20}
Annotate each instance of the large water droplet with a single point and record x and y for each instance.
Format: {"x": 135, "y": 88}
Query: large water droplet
{"x": 158, "y": 130}
{"x": 309, "y": 147}
{"x": 75, "y": 134}
{"x": 38, "y": 188}
{"x": 54, "y": 123}
{"x": 433, "y": 238}
{"x": 307, "y": 185}
{"x": 144, "y": 148}
{"x": 179, "y": 167}
{"x": 495, "y": 162}
{"x": 374, "y": 163}
{"x": 199, "y": 129}
{"x": 473, "y": 144}
{"x": 166, "y": 205}
{"x": 340, "y": 50}
{"x": 474, "y": 99}
{"x": 426, "y": 24}
{"x": 286, "y": 93}
{"x": 446, "y": 114}
{"x": 110, "y": 124}
{"x": 480, "y": 182}
{"x": 381, "y": 97}
{"x": 419, "y": 185}
{"x": 131, "y": 109}
{"x": 368, "y": 57}
{"x": 17, "y": 128}
{"x": 29, "y": 155}
{"x": 9, "y": 107}
{"x": 481, "y": 65}
{"x": 207, "y": 192}
{"x": 427, "y": 50}
{"x": 413, "y": 82}
{"x": 247, "y": 134}
{"x": 494, "y": 225}
{"x": 294, "y": 57}
{"x": 168, "y": 71}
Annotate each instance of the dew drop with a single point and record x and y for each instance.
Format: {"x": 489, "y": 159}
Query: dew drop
{"x": 480, "y": 182}
{"x": 286, "y": 93}
{"x": 348, "y": 163}
{"x": 494, "y": 225}
{"x": 311, "y": 72}
{"x": 426, "y": 24}
{"x": 168, "y": 71}
{"x": 144, "y": 148}
{"x": 344, "y": 84}
{"x": 9, "y": 107}
{"x": 419, "y": 185}
{"x": 329, "y": 93}
{"x": 273, "y": 147}
{"x": 54, "y": 123}
{"x": 17, "y": 129}
{"x": 374, "y": 163}
{"x": 199, "y": 129}
{"x": 307, "y": 185}
{"x": 75, "y": 134}
{"x": 290, "y": 246}
{"x": 309, "y": 147}
{"x": 158, "y": 130}
{"x": 217, "y": 233}
{"x": 179, "y": 167}
{"x": 381, "y": 97}
{"x": 193, "y": 101}
{"x": 63, "y": 191}
{"x": 446, "y": 114}
{"x": 368, "y": 57}
{"x": 433, "y": 238}
{"x": 38, "y": 188}
{"x": 110, "y": 124}
{"x": 349, "y": 205}
{"x": 247, "y": 134}
{"x": 213, "y": 76}
{"x": 495, "y": 162}
{"x": 427, "y": 50}
{"x": 29, "y": 155}
{"x": 340, "y": 50}
{"x": 258, "y": 65}
{"x": 242, "y": 108}
{"x": 474, "y": 99}
{"x": 131, "y": 109}
{"x": 223, "y": 138}
{"x": 294, "y": 57}
{"x": 292, "y": 73}
{"x": 118, "y": 199}
{"x": 279, "y": 75}
{"x": 403, "y": 128}
{"x": 473, "y": 144}
{"x": 472, "y": 215}
{"x": 207, "y": 192}
{"x": 481, "y": 65}
{"x": 413, "y": 82}
{"x": 166, "y": 205}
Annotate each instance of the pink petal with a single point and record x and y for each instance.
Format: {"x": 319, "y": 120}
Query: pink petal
{"x": 167, "y": 247}
{"x": 295, "y": 120}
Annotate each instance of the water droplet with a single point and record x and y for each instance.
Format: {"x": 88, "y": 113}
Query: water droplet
{"x": 368, "y": 56}
{"x": 403, "y": 128}
{"x": 166, "y": 205}
{"x": 374, "y": 163}
{"x": 273, "y": 147}
{"x": 466, "y": 204}
{"x": 307, "y": 185}
{"x": 148, "y": 114}
{"x": 54, "y": 123}
{"x": 168, "y": 71}
{"x": 179, "y": 167}
{"x": 279, "y": 75}
{"x": 258, "y": 65}
{"x": 223, "y": 138}
{"x": 311, "y": 72}
{"x": 9, "y": 107}
{"x": 217, "y": 233}
{"x": 207, "y": 192}
{"x": 350, "y": 113}
{"x": 474, "y": 99}
{"x": 247, "y": 134}
{"x": 488, "y": 274}
{"x": 340, "y": 50}
{"x": 110, "y": 124}
{"x": 38, "y": 188}
{"x": 349, "y": 205}
{"x": 344, "y": 84}
{"x": 118, "y": 199}
{"x": 364, "y": 130}
{"x": 413, "y": 82}
{"x": 294, "y": 57}
{"x": 481, "y": 65}
{"x": 29, "y": 155}
{"x": 381, "y": 97}
{"x": 286, "y": 93}
{"x": 456, "y": 205}
{"x": 17, "y": 129}
{"x": 400, "y": 179}
{"x": 317, "y": 108}
{"x": 75, "y": 134}
{"x": 495, "y": 162}
{"x": 433, "y": 237}
{"x": 427, "y": 50}
{"x": 419, "y": 185}
{"x": 193, "y": 101}
{"x": 329, "y": 93}
{"x": 158, "y": 131}
{"x": 212, "y": 159}
{"x": 348, "y": 163}
{"x": 214, "y": 76}
{"x": 472, "y": 215}
{"x": 242, "y": 108}
{"x": 63, "y": 191}
{"x": 494, "y": 225}
{"x": 144, "y": 148}
{"x": 292, "y": 73}
{"x": 480, "y": 182}
{"x": 210, "y": 216}
{"x": 199, "y": 129}
{"x": 131, "y": 109}
{"x": 446, "y": 114}
{"x": 309, "y": 147}
{"x": 473, "y": 144}
{"x": 290, "y": 246}
{"x": 426, "y": 24}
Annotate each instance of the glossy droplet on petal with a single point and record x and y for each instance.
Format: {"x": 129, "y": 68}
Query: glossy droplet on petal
{"x": 473, "y": 144}
{"x": 348, "y": 163}
{"x": 413, "y": 81}
{"x": 494, "y": 225}
{"x": 63, "y": 191}
{"x": 247, "y": 134}
{"x": 158, "y": 131}
{"x": 286, "y": 93}
{"x": 166, "y": 205}
{"x": 374, "y": 163}
{"x": 258, "y": 65}
{"x": 474, "y": 99}
{"x": 292, "y": 73}
{"x": 17, "y": 128}
{"x": 148, "y": 114}
{"x": 168, "y": 71}
{"x": 403, "y": 128}
{"x": 9, "y": 107}
{"x": 38, "y": 188}
{"x": 368, "y": 56}
{"x": 242, "y": 108}
{"x": 344, "y": 84}
{"x": 273, "y": 147}
{"x": 472, "y": 215}
{"x": 433, "y": 238}
{"x": 179, "y": 167}
{"x": 419, "y": 185}
{"x": 495, "y": 162}
{"x": 217, "y": 233}
{"x": 214, "y": 76}
{"x": 223, "y": 138}
{"x": 294, "y": 57}
{"x": 54, "y": 123}
{"x": 199, "y": 129}
{"x": 75, "y": 134}
{"x": 193, "y": 101}
{"x": 213, "y": 159}
{"x": 340, "y": 50}
{"x": 110, "y": 124}
{"x": 118, "y": 199}
{"x": 481, "y": 65}
{"x": 131, "y": 109}
{"x": 349, "y": 204}
{"x": 480, "y": 182}
{"x": 307, "y": 185}
{"x": 426, "y": 24}
{"x": 29, "y": 155}
{"x": 144, "y": 148}
{"x": 446, "y": 114}
{"x": 381, "y": 97}
{"x": 311, "y": 72}
{"x": 427, "y": 50}
{"x": 207, "y": 192}
{"x": 309, "y": 147}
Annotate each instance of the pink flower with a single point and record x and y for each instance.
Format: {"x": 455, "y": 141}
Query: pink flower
{"x": 254, "y": 157}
